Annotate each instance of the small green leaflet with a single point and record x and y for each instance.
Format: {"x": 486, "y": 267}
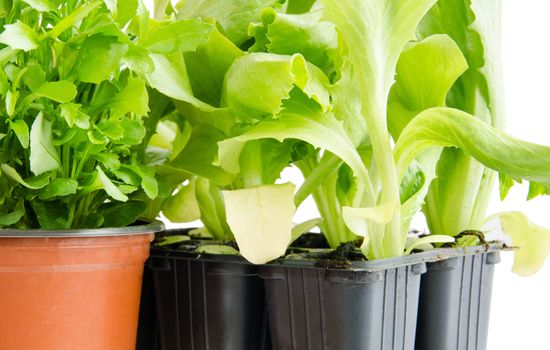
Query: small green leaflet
{"x": 19, "y": 36}
{"x": 99, "y": 57}
{"x": 34, "y": 183}
{"x": 121, "y": 214}
{"x": 232, "y": 16}
{"x": 110, "y": 187}
{"x": 148, "y": 181}
{"x": 41, "y": 5}
{"x": 73, "y": 115}
{"x": 256, "y": 84}
{"x": 122, "y": 10}
{"x": 21, "y": 130}
{"x": 77, "y": 15}
{"x": 58, "y": 188}
{"x": 59, "y": 91}
{"x": 44, "y": 156}
{"x": 7, "y": 219}
{"x": 52, "y": 215}
{"x": 11, "y": 102}
{"x": 133, "y": 98}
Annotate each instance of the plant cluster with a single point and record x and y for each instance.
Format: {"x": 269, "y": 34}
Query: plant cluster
{"x": 194, "y": 108}
{"x": 381, "y": 126}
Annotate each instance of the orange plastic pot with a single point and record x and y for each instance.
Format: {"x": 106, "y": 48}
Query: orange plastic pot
{"x": 72, "y": 290}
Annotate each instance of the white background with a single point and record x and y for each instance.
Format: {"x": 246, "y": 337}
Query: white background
{"x": 521, "y": 306}
{"x": 520, "y": 315}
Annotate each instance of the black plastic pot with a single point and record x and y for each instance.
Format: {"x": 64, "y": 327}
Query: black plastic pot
{"x": 371, "y": 306}
{"x": 147, "y": 336}
{"x": 208, "y": 302}
{"x": 455, "y": 300}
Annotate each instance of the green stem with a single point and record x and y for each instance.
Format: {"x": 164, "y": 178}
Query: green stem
{"x": 81, "y": 163}
{"x": 325, "y": 197}
{"x": 316, "y": 176}
{"x": 66, "y": 159}
{"x": 392, "y": 239}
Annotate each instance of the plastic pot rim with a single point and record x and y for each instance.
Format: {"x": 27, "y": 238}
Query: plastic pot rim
{"x": 429, "y": 256}
{"x": 372, "y": 265}
{"x": 155, "y": 226}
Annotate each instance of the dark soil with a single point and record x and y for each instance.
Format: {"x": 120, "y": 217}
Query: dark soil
{"x": 333, "y": 264}
{"x": 310, "y": 240}
{"x": 338, "y": 259}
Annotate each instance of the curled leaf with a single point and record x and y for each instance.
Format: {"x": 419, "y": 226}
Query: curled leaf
{"x": 357, "y": 219}
{"x": 182, "y": 206}
{"x": 532, "y": 240}
{"x": 261, "y": 220}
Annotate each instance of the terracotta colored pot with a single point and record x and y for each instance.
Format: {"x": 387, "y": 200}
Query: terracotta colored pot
{"x": 72, "y": 290}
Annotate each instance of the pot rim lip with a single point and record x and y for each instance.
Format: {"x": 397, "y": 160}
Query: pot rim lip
{"x": 152, "y": 227}
{"x": 419, "y": 258}
{"x": 426, "y": 257}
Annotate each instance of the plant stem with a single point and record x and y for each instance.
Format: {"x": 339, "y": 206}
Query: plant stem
{"x": 392, "y": 239}
{"x": 316, "y": 176}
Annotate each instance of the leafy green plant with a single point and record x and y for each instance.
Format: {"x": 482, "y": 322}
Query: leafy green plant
{"x": 72, "y": 118}
{"x": 380, "y": 126}
{"x": 74, "y": 102}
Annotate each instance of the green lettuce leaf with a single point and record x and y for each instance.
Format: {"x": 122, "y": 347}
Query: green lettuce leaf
{"x": 287, "y": 34}
{"x": 208, "y": 64}
{"x": 426, "y": 71}
{"x": 199, "y": 154}
{"x": 182, "y": 206}
{"x": 233, "y": 16}
{"x": 460, "y": 195}
{"x": 256, "y": 84}
{"x": 447, "y": 127}
{"x": 365, "y": 27}
{"x": 322, "y": 131}
{"x": 170, "y": 78}
{"x": 178, "y": 36}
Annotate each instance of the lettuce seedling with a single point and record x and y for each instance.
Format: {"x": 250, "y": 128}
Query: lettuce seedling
{"x": 394, "y": 104}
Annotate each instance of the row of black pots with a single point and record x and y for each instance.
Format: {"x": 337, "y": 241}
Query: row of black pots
{"x": 424, "y": 301}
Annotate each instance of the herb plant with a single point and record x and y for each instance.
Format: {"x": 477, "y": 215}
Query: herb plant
{"x": 387, "y": 107}
{"x": 73, "y": 112}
